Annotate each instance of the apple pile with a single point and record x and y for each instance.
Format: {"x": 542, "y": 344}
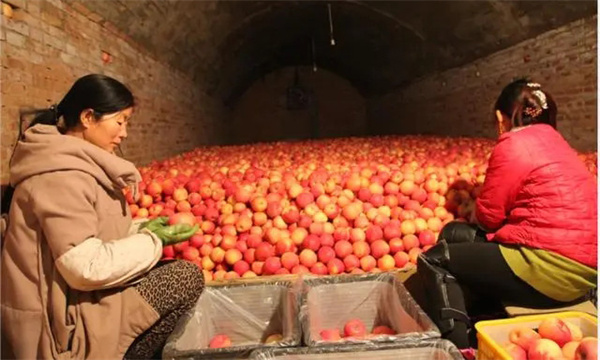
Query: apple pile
{"x": 355, "y": 329}
{"x": 349, "y": 205}
{"x": 222, "y": 341}
{"x": 554, "y": 339}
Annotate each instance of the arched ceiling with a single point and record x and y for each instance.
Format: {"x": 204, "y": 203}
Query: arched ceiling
{"x": 225, "y": 46}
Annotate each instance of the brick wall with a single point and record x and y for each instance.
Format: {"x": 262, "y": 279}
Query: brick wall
{"x": 261, "y": 113}
{"x": 49, "y": 44}
{"x": 459, "y": 101}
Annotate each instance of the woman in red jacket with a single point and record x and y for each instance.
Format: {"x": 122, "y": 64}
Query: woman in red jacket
{"x": 535, "y": 241}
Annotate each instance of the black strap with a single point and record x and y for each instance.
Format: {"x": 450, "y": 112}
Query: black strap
{"x": 449, "y": 313}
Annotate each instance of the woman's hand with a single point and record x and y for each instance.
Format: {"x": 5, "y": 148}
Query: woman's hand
{"x": 155, "y": 223}
{"x": 174, "y": 234}
{"x": 169, "y": 234}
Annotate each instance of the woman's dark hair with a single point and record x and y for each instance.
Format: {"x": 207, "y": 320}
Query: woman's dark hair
{"x": 101, "y": 93}
{"x": 525, "y": 103}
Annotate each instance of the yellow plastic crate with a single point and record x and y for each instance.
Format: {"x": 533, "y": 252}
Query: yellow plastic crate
{"x": 492, "y": 334}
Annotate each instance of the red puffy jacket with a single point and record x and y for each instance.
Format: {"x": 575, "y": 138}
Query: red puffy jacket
{"x": 538, "y": 193}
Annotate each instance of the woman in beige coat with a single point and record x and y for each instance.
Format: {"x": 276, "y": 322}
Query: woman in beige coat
{"x": 78, "y": 278}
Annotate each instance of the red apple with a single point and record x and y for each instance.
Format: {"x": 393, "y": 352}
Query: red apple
{"x": 386, "y": 262}
{"x": 330, "y": 335}
{"x": 325, "y": 254}
{"x": 343, "y": 248}
{"x": 544, "y": 349}
{"x": 182, "y": 218}
{"x": 335, "y": 266}
{"x": 587, "y": 349}
{"x": 379, "y": 248}
{"x": 361, "y": 249}
{"x": 556, "y": 330}
{"x": 263, "y": 251}
{"x": 319, "y": 269}
{"x": 355, "y": 328}
{"x": 191, "y": 254}
{"x": 232, "y": 256}
{"x": 219, "y": 341}
{"x": 241, "y": 267}
{"x": 289, "y": 260}
{"x": 523, "y": 336}
{"x": 382, "y": 329}
{"x": 515, "y": 351}
{"x": 569, "y": 349}
{"x": 396, "y": 245}
{"x": 308, "y": 258}
{"x": 351, "y": 262}
{"x": 168, "y": 251}
{"x": 401, "y": 259}
{"x": 368, "y": 263}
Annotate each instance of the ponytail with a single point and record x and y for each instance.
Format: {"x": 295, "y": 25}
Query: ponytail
{"x": 49, "y": 116}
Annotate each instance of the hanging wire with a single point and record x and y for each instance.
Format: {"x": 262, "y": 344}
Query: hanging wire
{"x": 332, "y": 40}
{"x": 314, "y": 60}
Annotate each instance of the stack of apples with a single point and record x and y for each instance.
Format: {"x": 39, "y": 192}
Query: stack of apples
{"x": 355, "y": 329}
{"x": 348, "y": 205}
{"x": 554, "y": 339}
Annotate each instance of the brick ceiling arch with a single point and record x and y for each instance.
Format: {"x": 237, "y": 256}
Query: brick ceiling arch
{"x": 224, "y": 46}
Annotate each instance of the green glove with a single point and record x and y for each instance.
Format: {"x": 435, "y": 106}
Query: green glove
{"x": 155, "y": 223}
{"x": 174, "y": 234}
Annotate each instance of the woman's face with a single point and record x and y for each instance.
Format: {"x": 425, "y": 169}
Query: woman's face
{"x": 108, "y": 131}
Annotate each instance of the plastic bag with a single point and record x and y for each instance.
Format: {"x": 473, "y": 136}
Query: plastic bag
{"x": 432, "y": 349}
{"x": 375, "y": 299}
{"x": 246, "y": 312}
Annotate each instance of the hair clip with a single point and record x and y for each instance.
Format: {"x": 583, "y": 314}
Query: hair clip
{"x": 541, "y": 97}
{"x": 532, "y": 112}
{"x": 534, "y": 85}
{"x": 54, "y": 109}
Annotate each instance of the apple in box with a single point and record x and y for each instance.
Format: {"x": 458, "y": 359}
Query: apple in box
{"x": 355, "y": 328}
{"x": 587, "y": 349}
{"x": 515, "y": 351}
{"x": 556, "y": 330}
{"x": 273, "y": 338}
{"x": 523, "y": 336}
{"x": 544, "y": 349}
{"x": 569, "y": 349}
{"x": 219, "y": 341}
{"x": 383, "y": 330}
{"x": 330, "y": 335}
